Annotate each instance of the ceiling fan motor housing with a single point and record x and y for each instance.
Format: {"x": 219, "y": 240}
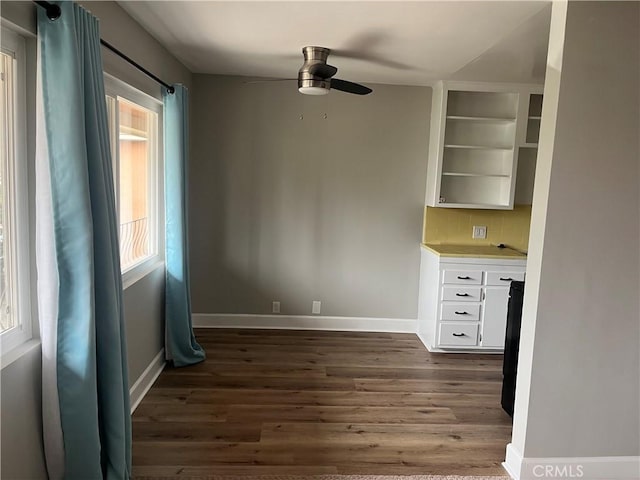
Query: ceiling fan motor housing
{"x": 312, "y": 56}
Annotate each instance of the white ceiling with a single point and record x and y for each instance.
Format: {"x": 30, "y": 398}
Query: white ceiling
{"x": 404, "y": 43}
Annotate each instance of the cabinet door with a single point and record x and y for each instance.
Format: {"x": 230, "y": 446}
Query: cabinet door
{"x": 494, "y": 319}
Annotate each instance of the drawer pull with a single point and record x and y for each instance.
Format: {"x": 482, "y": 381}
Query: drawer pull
{"x": 460, "y": 277}
{"x": 462, "y": 295}
{"x": 462, "y": 313}
{"x": 508, "y": 279}
{"x": 458, "y": 334}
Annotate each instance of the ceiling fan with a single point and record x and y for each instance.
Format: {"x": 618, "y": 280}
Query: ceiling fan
{"x": 316, "y": 76}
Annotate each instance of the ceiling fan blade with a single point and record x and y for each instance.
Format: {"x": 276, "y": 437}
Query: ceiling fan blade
{"x": 322, "y": 70}
{"x": 349, "y": 87}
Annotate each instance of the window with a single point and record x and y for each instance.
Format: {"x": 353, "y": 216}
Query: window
{"x": 15, "y": 314}
{"x": 135, "y": 196}
{"x": 135, "y": 138}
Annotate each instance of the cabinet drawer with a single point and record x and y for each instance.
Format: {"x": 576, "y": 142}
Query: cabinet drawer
{"x": 461, "y": 293}
{"x": 460, "y": 311}
{"x": 503, "y": 278}
{"x": 468, "y": 277}
{"x": 458, "y": 334}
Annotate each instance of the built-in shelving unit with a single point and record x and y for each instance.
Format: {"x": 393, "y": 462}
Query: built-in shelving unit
{"x": 533, "y": 120}
{"x": 476, "y": 133}
{"x": 528, "y": 151}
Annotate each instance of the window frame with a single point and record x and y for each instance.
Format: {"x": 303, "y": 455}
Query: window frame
{"x": 15, "y": 45}
{"x": 114, "y": 89}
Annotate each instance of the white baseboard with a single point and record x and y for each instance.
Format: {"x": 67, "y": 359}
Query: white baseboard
{"x": 425, "y": 341}
{"x": 513, "y": 461}
{"x": 305, "y": 322}
{"x": 584, "y": 468}
{"x": 144, "y": 382}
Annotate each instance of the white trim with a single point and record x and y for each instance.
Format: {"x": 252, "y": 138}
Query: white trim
{"x": 506, "y": 87}
{"x": 117, "y": 90}
{"x": 19, "y": 29}
{"x": 116, "y": 86}
{"x": 305, "y": 322}
{"x": 512, "y": 462}
{"x": 18, "y": 352}
{"x": 16, "y": 229}
{"x": 146, "y": 380}
{"x": 141, "y": 270}
{"x": 587, "y": 468}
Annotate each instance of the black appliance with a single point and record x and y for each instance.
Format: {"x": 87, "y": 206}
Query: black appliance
{"x": 511, "y": 346}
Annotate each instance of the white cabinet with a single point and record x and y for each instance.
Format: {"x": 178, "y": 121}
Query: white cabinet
{"x": 476, "y": 132}
{"x": 463, "y": 301}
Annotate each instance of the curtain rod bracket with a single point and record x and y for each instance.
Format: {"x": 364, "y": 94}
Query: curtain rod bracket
{"x": 53, "y": 11}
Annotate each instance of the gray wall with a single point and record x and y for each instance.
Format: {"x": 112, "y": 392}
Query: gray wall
{"x": 21, "y": 449}
{"x": 301, "y": 209}
{"x": 579, "y": 377}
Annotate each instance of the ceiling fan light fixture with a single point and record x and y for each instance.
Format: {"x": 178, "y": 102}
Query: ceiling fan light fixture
{"x": 316, "y": 77}
{"x": 313, "y": 90}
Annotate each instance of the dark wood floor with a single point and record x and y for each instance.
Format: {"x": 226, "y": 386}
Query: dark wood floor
{"x": 300, "y": 402}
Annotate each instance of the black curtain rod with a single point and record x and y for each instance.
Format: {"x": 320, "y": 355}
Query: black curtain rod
{"x": 170, "y": 89}
{"x": 54, "y": 12}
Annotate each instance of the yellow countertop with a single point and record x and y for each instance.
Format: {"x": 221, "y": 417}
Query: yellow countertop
{"x": 477, "y": 251}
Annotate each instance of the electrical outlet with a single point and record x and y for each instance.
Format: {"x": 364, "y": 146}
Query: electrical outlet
{"x": 479, "y": 231}
{"x": 275, "y": 307}
{"x": 315, "y": 307}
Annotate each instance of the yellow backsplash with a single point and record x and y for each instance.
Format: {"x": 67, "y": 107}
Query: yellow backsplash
{"x": 455, "y": 225}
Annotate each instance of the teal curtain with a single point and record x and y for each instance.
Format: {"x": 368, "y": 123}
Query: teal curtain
{"x": 182, "y": 347}
{"x": 87, "y": 424}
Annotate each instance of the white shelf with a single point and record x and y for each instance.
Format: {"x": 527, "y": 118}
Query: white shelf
{"x": 478, "y": 147}
{"x": 533, "y": 117}
{"x": 484, "y": 206}
{"x": 466, "y": 174}
{"x": 481, "y": 119}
